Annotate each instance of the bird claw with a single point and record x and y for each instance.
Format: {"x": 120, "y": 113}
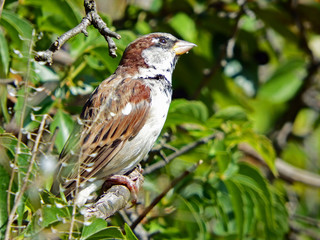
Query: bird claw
{"x": 132, "y": 181}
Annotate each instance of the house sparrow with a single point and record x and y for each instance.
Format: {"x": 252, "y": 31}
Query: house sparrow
{"x": 122, "y": 118}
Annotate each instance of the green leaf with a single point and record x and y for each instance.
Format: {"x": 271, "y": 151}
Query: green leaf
{"x": 184, "y": 26}
{"x": 304, "y": 122}
{"x": 101, "y": 54}
{"x": 294, "y": 154}
{"x": 4, "y": 184}
{"x": 284, "y": 83}
{"x": 65, "y": 12}
{"x": 94, "y": 61}
{"x": 248, "y": 212}
{"x": 238, "y": 206}
{"x": 237, "y": 134}
{"x": 99, "y": 229}
{"x": 53, "y": 214}
{"x": 4, "y": 56}
{"x": 264, "y": 147}
{"x": 184, "y": 111}
{"x": 230, "y": 171}
{"x": 272, "y": 17}
{"x": 261, "y": 109}
{"x": 226, "y": 223}
{"x": 142, "y": 27}
{"x": 232, "y": 113}
{"x": 3, "y": 102}
{"x": 8, "y": 144}
{"x": 129, "y": 234}
{"x": 45, "y": 74}
{"x": 65, "y": 124}
{"x": 250, "y": 178}
{"x": 17, "y": 28}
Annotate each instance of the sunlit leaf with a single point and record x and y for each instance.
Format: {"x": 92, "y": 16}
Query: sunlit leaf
{"x": 188, "y": 32}
{"x": 272, "y": 17}
{"x": 304, "y": 122}
{"x": 98, "y": 229}
{"x": 16, "y": 27}
{"x": 129, "y": 234}
{"x": 284, "y": 83}
{"x": 64, "y": 125}
{"x": 183, "y": 111}
{"x": 250, "y": 178}
{"x": 232, "y": 113}
{"x": 9, "y": 146}
{"x": 64, "y": 12}
{"x": 238, "y": 206}
{"x": 3, "y": 102}
{"x": 4, "y": 55}
{"x": 53, "y": 214}
{"x": 4, "y": 184}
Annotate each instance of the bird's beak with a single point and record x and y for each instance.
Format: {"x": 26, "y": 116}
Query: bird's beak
{"x": 181, "y": 47}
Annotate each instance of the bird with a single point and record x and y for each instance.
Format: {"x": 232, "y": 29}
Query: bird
{"x": 122, "y": 118}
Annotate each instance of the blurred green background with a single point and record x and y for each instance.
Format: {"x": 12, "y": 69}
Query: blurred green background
{"x": 253, "y": 80}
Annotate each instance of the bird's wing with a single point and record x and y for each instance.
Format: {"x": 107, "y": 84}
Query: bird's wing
{"x": 114, "y": 114}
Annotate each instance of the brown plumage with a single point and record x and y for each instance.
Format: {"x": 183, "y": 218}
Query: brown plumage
{"x": 123, "y": 117}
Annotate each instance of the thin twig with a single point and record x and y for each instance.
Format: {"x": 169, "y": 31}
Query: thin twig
{"x": 288, "y": 172}
{"x": 23, "y": 111}
{"x": 128, "y": 215}
{"x": 285, "y": 170}
{"x": 76, "y": 191}
{"x": 308, "y": 220}
{"x": 6, "y": 80}
{"x": 118, "y": 196}
{"x": 26, "y": 178}
{"x": 181, "y": 151}
{"x": 312, "y": 68}
{"x": 313, "y": 234}
{"x": 114, "y": 199}
{"x": 1, "y": 6}
{"x": 91, "y": 18}
{"x": 161, "y": 195}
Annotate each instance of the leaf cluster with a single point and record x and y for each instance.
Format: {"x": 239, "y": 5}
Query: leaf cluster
{"x": 252, "y": 80}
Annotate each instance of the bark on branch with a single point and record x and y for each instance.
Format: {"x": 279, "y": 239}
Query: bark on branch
{"x": 91, "y": 18}
{"x": 114, "y": 199}
{"x": 286, "y": 171}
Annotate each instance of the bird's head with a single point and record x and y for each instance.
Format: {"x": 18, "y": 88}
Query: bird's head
{"x": 153, "y": 54}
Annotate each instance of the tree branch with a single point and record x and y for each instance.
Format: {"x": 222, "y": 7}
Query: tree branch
{"x": 26, "y": 178}
{"x": 161, "y": 195}
{"x": 1, "y": 6}
{"x": 117, "y": 197}
{"x": 286, "y": 171}
{"x": 312, "y": 68}
{"x": 181, "y": 151}
{"x": 91, "y": 18}
{"x": 114, "y": 199}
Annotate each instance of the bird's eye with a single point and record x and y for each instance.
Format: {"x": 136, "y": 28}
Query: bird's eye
{"x": 163, "y": 40}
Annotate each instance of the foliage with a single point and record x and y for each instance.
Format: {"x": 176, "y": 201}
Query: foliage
{"x": 253, "y": 75}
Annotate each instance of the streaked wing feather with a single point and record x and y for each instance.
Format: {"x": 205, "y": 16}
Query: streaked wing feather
{"x": 105, "y": 129}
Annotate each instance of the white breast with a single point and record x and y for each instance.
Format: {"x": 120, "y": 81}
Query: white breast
{"x": 135, "y": 150}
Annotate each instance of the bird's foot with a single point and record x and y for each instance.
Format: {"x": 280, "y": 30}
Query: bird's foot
{"x": 133, "y": 181}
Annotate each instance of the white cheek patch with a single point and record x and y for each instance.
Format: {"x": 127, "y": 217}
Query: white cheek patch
{"x": 157, "y": 57}
{"x": 127, "y": 109}
{"x": 160, "y": 63}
